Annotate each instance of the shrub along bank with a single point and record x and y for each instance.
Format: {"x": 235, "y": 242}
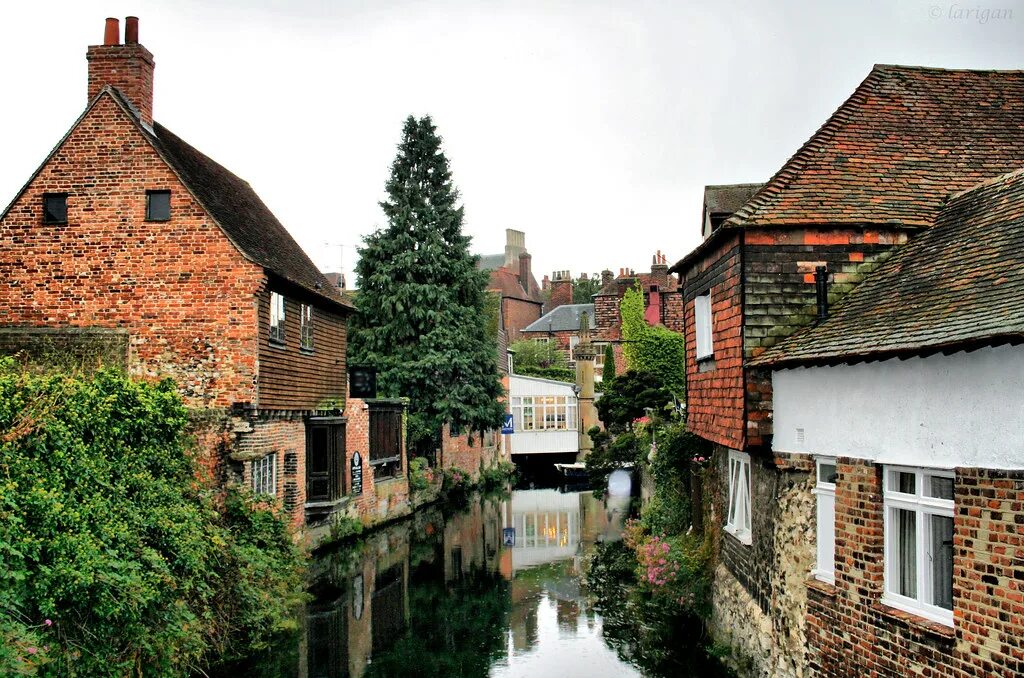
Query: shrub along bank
{"x": 114, "y": 558}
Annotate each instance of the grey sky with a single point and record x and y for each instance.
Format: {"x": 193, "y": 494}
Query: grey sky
{"x": 592, "y": 126}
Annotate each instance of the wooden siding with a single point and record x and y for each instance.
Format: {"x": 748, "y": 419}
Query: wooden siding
{"x": 293, "y": 379}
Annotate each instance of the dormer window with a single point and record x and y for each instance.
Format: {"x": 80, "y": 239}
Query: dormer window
{"x": 158, "y": 205}
{"x": 276, "y": 318}
{"x": 55, "y": 208}
{"x": 702, "y": 325}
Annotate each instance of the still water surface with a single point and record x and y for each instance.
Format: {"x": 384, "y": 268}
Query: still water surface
{"x": 496, "y": 587}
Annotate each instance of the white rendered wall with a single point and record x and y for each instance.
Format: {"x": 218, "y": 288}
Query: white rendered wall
{"x": 965, "y": 409}
{"x": 542, "y": 442}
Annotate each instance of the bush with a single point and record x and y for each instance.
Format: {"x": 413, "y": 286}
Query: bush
{"x": 421, "y": 476}
{"x": 564, "y": 374}
{"x": 497, "y": 475}
{"x": 106, "y": 531}
{"x": 650, "y": 349}
{"x": 529, "y": 353}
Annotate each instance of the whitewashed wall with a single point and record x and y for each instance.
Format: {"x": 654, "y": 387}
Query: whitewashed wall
{"x": 542, "y": 442}
{"x": 965, "y": 409}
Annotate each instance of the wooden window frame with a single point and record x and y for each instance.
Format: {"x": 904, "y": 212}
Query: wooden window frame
{"x": 260, "y": 479}
{"x": 47, "y": 196}
{"x": 703, "y": 321}
{"x": 278, "y": 316}
{"x": 825, "y": 506}
{"x": 149, "y": 204}
{"x": 306, "y": 324}
{"x": 739, "y": 509}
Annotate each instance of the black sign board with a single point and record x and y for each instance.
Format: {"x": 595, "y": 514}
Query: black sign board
{"x": 362, "y": 381}
{"x": 357, "y": 474}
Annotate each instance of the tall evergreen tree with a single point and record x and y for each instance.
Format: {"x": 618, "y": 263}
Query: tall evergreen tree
{"x": 422, "y": 318}
{"x": 609, "y": 364}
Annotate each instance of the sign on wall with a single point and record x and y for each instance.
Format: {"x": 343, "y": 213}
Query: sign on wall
{"x": 507, "y": 426}
{"x": 357, "y": 474}
{"x": 508, "y": 536}
{"x": 362, "y": 381}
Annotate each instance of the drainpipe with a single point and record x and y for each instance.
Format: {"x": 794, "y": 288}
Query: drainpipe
{"x": 821, "y": 291}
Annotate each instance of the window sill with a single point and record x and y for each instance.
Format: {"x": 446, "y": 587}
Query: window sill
{"x": 157, "y": 221}
{"x": 916, "y": 621}
{"x": 274, "y": 343}
{"x": 822, "y": 587}
{"x": 706, "y": 364}
{"x": 327, "y": 504}
{"x": 306, "y": 351}
{"x": 742, "y": 537}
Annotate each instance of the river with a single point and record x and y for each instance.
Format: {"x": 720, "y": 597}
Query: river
{"x": 495, "y": 587}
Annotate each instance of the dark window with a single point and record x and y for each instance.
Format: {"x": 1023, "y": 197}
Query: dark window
{"x": 325, "y": 460}
{"x": 158, "y": 205}
{"x": 306, "y": 327}
{"x": 55, "y": 208}
{"x": 385, "y": 440}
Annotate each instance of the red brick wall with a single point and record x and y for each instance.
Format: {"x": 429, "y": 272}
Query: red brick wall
{"x": 127, "y": 67}
{"x": 714, "y": 388}
{"x": 392, "y": 491}
{"x": 285, "y": 437}
{"x": 606, "y": 316}
{"x": 517, "y": 314}
{"x": 459, "y": 452}
{"x": 189, "y": 317}
{"x": 850, "y": 632}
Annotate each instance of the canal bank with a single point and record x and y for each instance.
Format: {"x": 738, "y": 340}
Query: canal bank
{"x": 528, "y": 582}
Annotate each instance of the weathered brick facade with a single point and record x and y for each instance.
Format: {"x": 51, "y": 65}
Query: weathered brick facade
{"x": 469, "y": 452}
{"x": 851, "y": 632}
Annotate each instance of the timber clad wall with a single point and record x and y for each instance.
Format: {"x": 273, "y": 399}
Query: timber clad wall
{"x": 291, "y": 378}
{"x": 851, "y": 633}
{"x": 189, "y": 317}
{"x": 714, "y": 388}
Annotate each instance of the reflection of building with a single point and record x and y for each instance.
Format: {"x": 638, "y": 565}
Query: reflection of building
{"x": 547, "y": 525}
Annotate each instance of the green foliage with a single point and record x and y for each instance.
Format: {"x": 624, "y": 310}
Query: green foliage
{"x": 421, "y": 476}
{"x": 629, "y": 397}
{"x": 611, "y": 452}
{"x": 497, "y": 475}
{"x": 608, "y": 375}
{"x": 584, "y": 288}
{"x": 563, "y": 374}
{"x": 345, "y": 527}
{"x": 653, "y": 350}
{"x": 106, "y": 531}
{"x": 423, "y": 313}
{"x": 531, "y": 354}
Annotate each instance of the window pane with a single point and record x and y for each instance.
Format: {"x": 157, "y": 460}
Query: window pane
{"x": 939, "y": 487}
{"x": 941, "y": 551}
{"x": 905, "y": 552}
{"x": 55, "y": 208}
{"x": 904, "y": 482}
{"x": 826, "y": 533}
{"x": 158, "y": 205}
{"x": 827, "y": 472}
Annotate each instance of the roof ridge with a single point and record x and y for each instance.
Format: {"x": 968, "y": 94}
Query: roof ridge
{"x": 792, "y": 167}
{"x": 942, "y": 69}
{"x": 986, "y": 183}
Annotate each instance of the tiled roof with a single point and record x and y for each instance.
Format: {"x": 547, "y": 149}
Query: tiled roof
{"x": 646, "y": 280}
{"x": 727, "y": 198}
{"x": 904, "y": 140}
{"x": 566, "y": 317}
{"x": 957, "y": 285}
{"x": 507, "y": 282}
{"x": 489, "y": 262}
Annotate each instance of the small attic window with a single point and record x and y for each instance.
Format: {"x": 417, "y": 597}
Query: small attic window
{"x": 158, "y": 205}
{"x": 55, "y": 208}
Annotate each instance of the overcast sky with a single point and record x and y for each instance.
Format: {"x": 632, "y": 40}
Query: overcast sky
{"x": 592, "y": 126}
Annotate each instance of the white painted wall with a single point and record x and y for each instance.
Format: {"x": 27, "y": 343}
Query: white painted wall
{"x": 542, "y": 442}
{"x": 965, "y": 409}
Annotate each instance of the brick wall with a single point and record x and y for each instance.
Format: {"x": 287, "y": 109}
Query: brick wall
{"x": 470, "y": 452}
{"x": 188, "y": 317}
{"x": 285, "y": 437}
{"x": 714, "y": 388}
{"x": 852, "y": 633}
{"x": 379, "y": 499}
{"x": 606, "y": 316}
{"x": 517, "y": 314}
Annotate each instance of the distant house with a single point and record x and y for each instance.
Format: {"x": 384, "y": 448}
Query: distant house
{"x": 545, "y": 415}
{"x": 910, "y": 397}
{"x": 519, "y": 296}
{"x": 129, "y": 235}
{"x": 560, "y": 327}
{"x": 875, "y": 176}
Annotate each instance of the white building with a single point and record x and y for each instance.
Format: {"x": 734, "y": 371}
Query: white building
{"x": 545, "y": 416}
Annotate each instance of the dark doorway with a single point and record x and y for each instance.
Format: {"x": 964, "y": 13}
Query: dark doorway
{"x": 325, "y": 459}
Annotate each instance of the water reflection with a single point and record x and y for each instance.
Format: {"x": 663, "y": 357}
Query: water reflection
{"x": 495, "y": 588}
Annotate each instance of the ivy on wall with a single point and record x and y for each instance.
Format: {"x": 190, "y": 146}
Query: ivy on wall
{"x": 652, "y": 349}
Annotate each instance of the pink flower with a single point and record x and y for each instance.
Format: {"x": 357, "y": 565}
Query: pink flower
{"x": 31, "y": 650}
{"x": 48, "y": 622}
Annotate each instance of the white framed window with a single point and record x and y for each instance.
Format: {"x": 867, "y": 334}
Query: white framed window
{"x": 544, "y": 413}
{"x": 599, "y": 349}
{"x": 738, "y": 519}
{"x": 306, "y": 327}
{"x": 264, "y": 475}
{"x": 918, "y": 506}
{"x": 277, "y": 317}
{"x": 825, "y": 493}
{"x": 702, "y": 325}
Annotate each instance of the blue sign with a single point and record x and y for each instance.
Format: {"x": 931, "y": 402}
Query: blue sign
{"x": 508, "y": 535}
{"x": 507, "y": 427}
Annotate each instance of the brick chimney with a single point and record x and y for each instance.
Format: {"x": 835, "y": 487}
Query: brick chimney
{"x": 659, "y": 270}
{"x": 524, "y": 272}
{"x": 606, "y": 277}
{"x": 561, "y": 290}
{"x": 652, "y": 311}
{"x": 128, "y": 67}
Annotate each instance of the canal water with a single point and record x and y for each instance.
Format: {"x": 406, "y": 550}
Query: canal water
{"x": 495, "y": 587}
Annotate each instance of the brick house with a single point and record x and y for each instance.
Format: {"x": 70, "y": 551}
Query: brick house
{"x": 520, "y": 298}
{"x": 127, "y": 235}
{"x": 908, "y": 396}
{"x": 874, "y": 175}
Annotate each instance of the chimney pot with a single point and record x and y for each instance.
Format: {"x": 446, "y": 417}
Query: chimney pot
{"x": 131, "y": 30}
{"x": 112, "y": 32}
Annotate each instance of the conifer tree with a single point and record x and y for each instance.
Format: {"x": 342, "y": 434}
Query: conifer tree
{"x": 422, "y": 318}
{"x": 608, "y": 372}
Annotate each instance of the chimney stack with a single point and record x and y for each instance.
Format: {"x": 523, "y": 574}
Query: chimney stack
{"x": 524, "y": 272}
{"x": 561, "y": 290}
{"x": 128, "y": 67}
{"x": 606, "y": 277}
